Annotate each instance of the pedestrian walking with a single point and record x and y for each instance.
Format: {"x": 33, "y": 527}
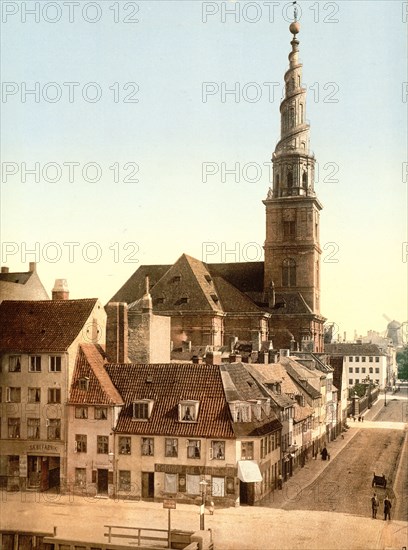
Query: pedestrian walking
{"x": 374, "y": 505}
{"x": 387, "y": 508}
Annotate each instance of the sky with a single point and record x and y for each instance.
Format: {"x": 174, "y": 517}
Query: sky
{"x": 133, "y": 132}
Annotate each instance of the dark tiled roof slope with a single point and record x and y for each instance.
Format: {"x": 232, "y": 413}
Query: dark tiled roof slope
{"x": 245, "y": 276}
{"x": 42, "y": 326}
{"x": 247, "y": 389}
{"x": 167, "y": 385}
{"x": 89, "y": 364}
{"x": 299, "y": 373}
{"x": 135, "y": 286}
{"x": 20, "y": 278}
{"x": 233, "y": 300}
{"x": 352, "y": 349}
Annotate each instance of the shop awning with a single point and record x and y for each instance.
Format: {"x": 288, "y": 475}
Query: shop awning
{"x": 248, "y": 471}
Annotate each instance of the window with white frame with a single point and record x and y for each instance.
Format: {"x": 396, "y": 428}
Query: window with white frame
{"x": 54, "y": 429}
{"x": 80, "y": 443}
{"x": 377, "y": 370}
{"x": 142, "y": 409}
{"x": 81, "y": 412}
{"x": 240, "y": 411}
{"x": 247, "y": 450}
{"x": 171, "y": 447}
{"x": 15, "y": 363}
{"x": 188, "y": 411}
{"x": 147, "y": 446}
{"x": 125, "y": 445}
{"x": 35, "y": 363}
{"x": 350, "y": 359}
{"x": 218, "y": 486}
{"x": 370, "y": 359}
{"x": 33, "y": 428}
{"x": 217, "y": 451}
{"x": 350, "y": 381}
{"x": 102, "y": 444}
{"x": 34, "y": 395}
{"x": 13, "y": 428}
{"x": 80, "y": 477}
{"x": 193, "y": 448}
{"x": 83, "y": 383}
{"x": 124, "y": 480}
{"x": 55, "y": 363}
{"x": 101, "y": 413}
{"x": 193, "y": 484}
{"x": 350, "y": 369}
{"x": 377, "y": 359}
{"x": 171, "y": 483}
{"x": 54, "y": 395}
{"x": 13, "y": 395}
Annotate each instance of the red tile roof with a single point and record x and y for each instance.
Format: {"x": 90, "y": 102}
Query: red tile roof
{"x": 167, "y": 385}
{"x": 90, "y": 363}
{"x": 42, "y": 326}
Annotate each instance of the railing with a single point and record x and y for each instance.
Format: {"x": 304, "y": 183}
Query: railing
{"x": 139, "y": 536}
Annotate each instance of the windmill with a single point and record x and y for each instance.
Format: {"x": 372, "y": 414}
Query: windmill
{"x": 394, "y": 331}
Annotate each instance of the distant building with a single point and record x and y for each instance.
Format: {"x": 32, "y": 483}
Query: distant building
{"x": 362, "y": 362}
{"x": 21, "y": 286}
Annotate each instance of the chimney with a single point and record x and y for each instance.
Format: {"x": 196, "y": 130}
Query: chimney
{"x": 213, "y": 358}
{"x": 197, "y": 360}
{"x": 5, "y": 269}
{"x": 117, "y": 332}
{"x": 60, "y": 290}
{"x": 235, "y": 358}
{"x": 32, "y": 267}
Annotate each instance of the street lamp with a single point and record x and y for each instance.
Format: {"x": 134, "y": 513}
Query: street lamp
{"x": 203, "y": 484}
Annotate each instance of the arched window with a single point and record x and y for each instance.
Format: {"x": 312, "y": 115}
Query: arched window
{"x": 289, "y": 272}
{"x": 301, "y": 113}
{"x": 304, "y": 180}
{"x": 290, "y": 179}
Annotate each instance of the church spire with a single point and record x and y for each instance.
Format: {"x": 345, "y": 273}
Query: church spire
{"x": 293, "y": 163}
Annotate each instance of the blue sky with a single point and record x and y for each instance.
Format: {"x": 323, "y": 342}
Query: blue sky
{"x": 354, "y": 56}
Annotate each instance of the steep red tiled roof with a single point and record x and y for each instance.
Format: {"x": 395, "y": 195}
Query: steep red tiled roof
{"x": 167, "y": 385}
{"x": 42, "y": 326}
{"x": 89, "y": 364}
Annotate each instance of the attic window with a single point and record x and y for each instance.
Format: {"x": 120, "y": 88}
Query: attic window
{"x": 188, "y": 411}
{"x": 83, "y": 383}
{"x": 241, "y": 412}
{"x": 183, "y": 300}
{"x": 176, "y": 279}
{"x": 159, "y": 300}
{"x": 142, "y": 409}
{"x": 208, "y": 278}
{"x": 215, "y": 298}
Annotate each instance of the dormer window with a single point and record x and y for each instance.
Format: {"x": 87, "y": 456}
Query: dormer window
{"x": 208, "y": 278}
{"x": 176, "y": 278}
{"x": 83, "y": 383}
{"x": 142, "y": 409}
{"x": 240, "y": 411}
{"x": 188, "y": 411}
{"x": 182, "y": 300}
{"x": 256, "y": 409}
{"x": 214, "y": 298}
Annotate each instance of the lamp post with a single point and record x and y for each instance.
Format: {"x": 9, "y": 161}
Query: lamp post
{"x": 203, "y": 485}
{"x": 385, "y": 395}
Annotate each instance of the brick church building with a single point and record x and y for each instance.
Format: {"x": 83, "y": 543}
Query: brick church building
{"x": 277, "y": 300}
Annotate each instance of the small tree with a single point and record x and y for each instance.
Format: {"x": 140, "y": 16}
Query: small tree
{"x": 402, "y": 361}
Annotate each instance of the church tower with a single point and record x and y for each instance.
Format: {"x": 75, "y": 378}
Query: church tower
{"x": 292, "y": 249}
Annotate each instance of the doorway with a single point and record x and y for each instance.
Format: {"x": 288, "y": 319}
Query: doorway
{"x": 147, "y": 484}
{"x": 246, "y": 493}
{"x": 102, "y": 482}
